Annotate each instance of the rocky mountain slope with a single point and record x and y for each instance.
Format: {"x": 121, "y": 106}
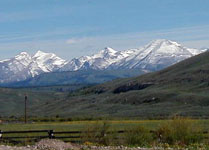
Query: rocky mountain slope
{"x": 154, "y": 56}
{"x": 24, "y": 66}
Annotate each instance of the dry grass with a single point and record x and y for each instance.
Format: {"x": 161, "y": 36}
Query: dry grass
{"x": 181, "y": 131}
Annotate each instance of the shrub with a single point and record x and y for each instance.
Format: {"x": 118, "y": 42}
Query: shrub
{"x": 97, "y": 133}
{"x": 138, "y": 136}
{"x": 179, "y": 131}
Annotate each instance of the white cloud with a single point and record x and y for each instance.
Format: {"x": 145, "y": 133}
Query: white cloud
{"x": 72, "y": 41}
{"x": 69, "y": 47}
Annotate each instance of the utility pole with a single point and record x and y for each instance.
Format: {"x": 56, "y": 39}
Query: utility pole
{"x": 26, "y": 108}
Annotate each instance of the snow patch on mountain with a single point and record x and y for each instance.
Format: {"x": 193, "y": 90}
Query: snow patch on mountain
{"x": 157, "y": 55}
{"x": 99, "y": 61}
{"x": 154, "y": 56}
{"x": 48, "y": 62}
{"x": 24, "y": 66}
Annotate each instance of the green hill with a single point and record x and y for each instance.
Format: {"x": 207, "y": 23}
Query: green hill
{"x": 181, "y": 89}
{"x": 84, "y": 77}
{"x": 12, "y": 100}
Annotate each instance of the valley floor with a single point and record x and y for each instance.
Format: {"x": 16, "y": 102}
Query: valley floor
{"x": 80, "y": 125}
{"x": 54, "y": 144}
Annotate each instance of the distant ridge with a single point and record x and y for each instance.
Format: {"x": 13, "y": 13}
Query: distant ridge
{"x": 154, "y": 56}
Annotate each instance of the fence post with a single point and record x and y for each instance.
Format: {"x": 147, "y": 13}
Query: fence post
{"x": 51, "y": 134}
{"x": 1, "y": 134}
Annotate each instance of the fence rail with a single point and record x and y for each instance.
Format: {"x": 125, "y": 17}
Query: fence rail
{"x": 70, "y": 136}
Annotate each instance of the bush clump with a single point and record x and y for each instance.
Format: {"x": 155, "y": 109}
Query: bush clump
{"x": 181, "y": 131}
{"x": 97, "y": 133}
{"x": 138, "y": 136}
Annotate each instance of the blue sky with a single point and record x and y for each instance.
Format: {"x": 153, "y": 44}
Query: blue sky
{"x": 72, "y": 28}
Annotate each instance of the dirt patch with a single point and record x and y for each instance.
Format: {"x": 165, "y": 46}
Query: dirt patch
{"x": 52, "y": 144}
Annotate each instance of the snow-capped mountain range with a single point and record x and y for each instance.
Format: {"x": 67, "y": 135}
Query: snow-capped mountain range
{"x": 154, "y": 56}
{"x": 24, "y": 66}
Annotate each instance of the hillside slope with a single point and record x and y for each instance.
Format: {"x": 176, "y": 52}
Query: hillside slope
{"x": 12, "y": 101}
{"x": 181, "y": 89}
{"x": 76, "y": 77}
{"x": 193, "y": 71}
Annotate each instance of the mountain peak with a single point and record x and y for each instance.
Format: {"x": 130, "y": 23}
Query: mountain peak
{"x": 109, "y": 49}
{"x": 22, "y": 55}
{"x": 164, "y": 41}
{"x": 160, "y": 40}
{"x": 40, "y": 53}
{"x": 48, "y": 61}
{"x": 165, "y": 46}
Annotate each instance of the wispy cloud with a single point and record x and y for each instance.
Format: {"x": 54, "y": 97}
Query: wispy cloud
{"x": 72, "y": 41}
{"x": 133, "y": 40}
{"x": 69, "y": 47}
{"x": 47, "y": 35}
{"x": 27, "y": 15}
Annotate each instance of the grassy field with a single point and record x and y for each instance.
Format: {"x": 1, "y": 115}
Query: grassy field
{"x": 80, "y": 125}
{"x": 90, "y": 131}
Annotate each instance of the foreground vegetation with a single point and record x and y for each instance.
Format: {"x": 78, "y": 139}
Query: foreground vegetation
{"x": 178, "y": 132}
{"x": 62, "y": 124}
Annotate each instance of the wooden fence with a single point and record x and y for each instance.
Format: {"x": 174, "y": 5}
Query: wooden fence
{"x": 36, "y": 135}
{"x": 71, "y": 136}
